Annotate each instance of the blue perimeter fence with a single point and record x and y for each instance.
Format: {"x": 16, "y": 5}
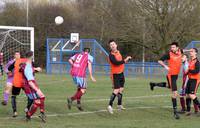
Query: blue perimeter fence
{"x": 132, "y": 69}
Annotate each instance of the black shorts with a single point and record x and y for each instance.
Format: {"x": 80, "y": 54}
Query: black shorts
{"x": 16, "y": 90}
{"x": 192, "y": 86}
{"x": 171, "y": 79}
{"x": 118, "y": 80}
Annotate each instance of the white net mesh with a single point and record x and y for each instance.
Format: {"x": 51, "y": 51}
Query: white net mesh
{"x": 12, "y": 40}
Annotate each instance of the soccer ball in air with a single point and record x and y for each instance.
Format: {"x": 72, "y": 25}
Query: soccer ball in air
{"x": 59, "y": 20}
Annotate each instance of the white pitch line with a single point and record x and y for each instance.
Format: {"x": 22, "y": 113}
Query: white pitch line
{"x": 88, "y": 112}
{"x": 100, "y": 100}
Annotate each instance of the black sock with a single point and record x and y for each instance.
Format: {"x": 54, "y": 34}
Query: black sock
{"x": 29, "y": 103}
{"x": 174, "y": 103}
{"x": 119, "y": 98}
{"x": 13, "y": 102}
{"x": 162, "y": 84}
{"x": 188, "y": 103}
{"x": 196, "y": 101}
{"x": 112, "y": 98}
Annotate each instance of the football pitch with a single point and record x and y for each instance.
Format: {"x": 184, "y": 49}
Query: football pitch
{"x": 145, "y": 108}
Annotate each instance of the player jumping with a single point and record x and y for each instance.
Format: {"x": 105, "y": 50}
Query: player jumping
{"x": 79, "y": 63}
{"x": 174, "y": 66}
{"x": 117, "y": 75}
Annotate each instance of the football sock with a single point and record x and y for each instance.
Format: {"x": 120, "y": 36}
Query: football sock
{"x": 196, "y": 108}
{"x": 182, "y": 102}
{"x": 196, "y": 101}
{"x": 112, "y": 98}
{"x": 29, "y": 103}
{"x": 188, "y": 103}
{"x": 13, "y": 102}
{"x": 42, "y": 105}
{"x": 6, "y": 96}
{"x": 119, "y": 95}
{"x": 162, "y": 84}
{"x": 174, "y": 104}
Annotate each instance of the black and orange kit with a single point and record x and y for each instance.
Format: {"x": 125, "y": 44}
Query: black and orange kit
{"x": 117, "y": 69}
{"x": 174, "y": 64}
{"x": 194, "y": 76}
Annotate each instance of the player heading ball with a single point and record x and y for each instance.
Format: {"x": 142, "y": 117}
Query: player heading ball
{"x": 117, "y": 76}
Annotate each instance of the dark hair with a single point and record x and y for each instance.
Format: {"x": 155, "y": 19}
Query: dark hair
{"x": 111, "y": 40}
{"x": 175, "y": 43}
{"x": 29, "y": 54}
{"x": 86, "y": 50}
{"x": 17, "y": 51}
{"x": 196, "y": 50}
{"x": 186, "y": 55}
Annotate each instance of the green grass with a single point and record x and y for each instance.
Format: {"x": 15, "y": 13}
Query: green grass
{"x": 137, "y": 96}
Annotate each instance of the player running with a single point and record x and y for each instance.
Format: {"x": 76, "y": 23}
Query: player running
{"x": 174, "y": 66}
{"x": 31, "y": 88}
{"x": 80, "y": 62}
{"x": 117, "y": 75}
{"x": 194, "y": 79}
{"x": 9, "y": 81}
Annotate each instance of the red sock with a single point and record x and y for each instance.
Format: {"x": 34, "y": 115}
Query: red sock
{"x": 42, "y": 104}
{"x": 182, "y": 101}
{"x": 76, "y": 94}
{"x": 79, "y": 97}
{"x": 196, "y": 108}
{"x": 33, "y": 109}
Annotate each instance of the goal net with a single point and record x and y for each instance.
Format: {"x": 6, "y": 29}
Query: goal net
{"x": 14, "y": 39}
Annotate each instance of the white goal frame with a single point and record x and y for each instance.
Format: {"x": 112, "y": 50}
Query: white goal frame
{"x": 31, "y": 29}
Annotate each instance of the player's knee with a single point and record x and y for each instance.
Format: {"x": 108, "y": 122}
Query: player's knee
{"x": 174, "y": 94}
{"x": 37, "y": 102}
{"x": 116, "y": 91}
{"x": 83, "y": 91}
{"x": 187, "y": 96}
{"x": 121, "y": 90}
{"x": 192, "y": 96}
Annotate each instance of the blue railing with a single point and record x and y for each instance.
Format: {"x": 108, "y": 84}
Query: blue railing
{"x": 132, "y": 69}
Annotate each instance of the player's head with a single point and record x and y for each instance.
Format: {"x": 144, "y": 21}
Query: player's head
{"x": 86, "y": 50}
{"x": 17, "y": 55}
{"x": 174, "y": 46}
{"x": 184, "y": 57}
{"x": 193, "y": 52}
{"x": 29, "y": 55}
{"x": 113, "y": 45}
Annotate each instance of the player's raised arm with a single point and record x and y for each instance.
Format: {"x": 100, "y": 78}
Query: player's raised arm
{"x": 72, "y": 59}
{"x": 127, "y": 59}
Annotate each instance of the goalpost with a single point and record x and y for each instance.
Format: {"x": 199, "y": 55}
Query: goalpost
{"x": 14, "y": 38}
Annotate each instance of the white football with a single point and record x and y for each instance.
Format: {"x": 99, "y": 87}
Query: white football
{"x": 59, "y": 20}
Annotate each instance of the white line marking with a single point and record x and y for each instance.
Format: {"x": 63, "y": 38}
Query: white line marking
{"x": 100, "y": 100}
{"x": 88, "y": 112}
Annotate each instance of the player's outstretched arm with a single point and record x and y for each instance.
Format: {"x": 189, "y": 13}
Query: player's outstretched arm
{"x": 90, "y": 71}
{"x": 163, "y": 64}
